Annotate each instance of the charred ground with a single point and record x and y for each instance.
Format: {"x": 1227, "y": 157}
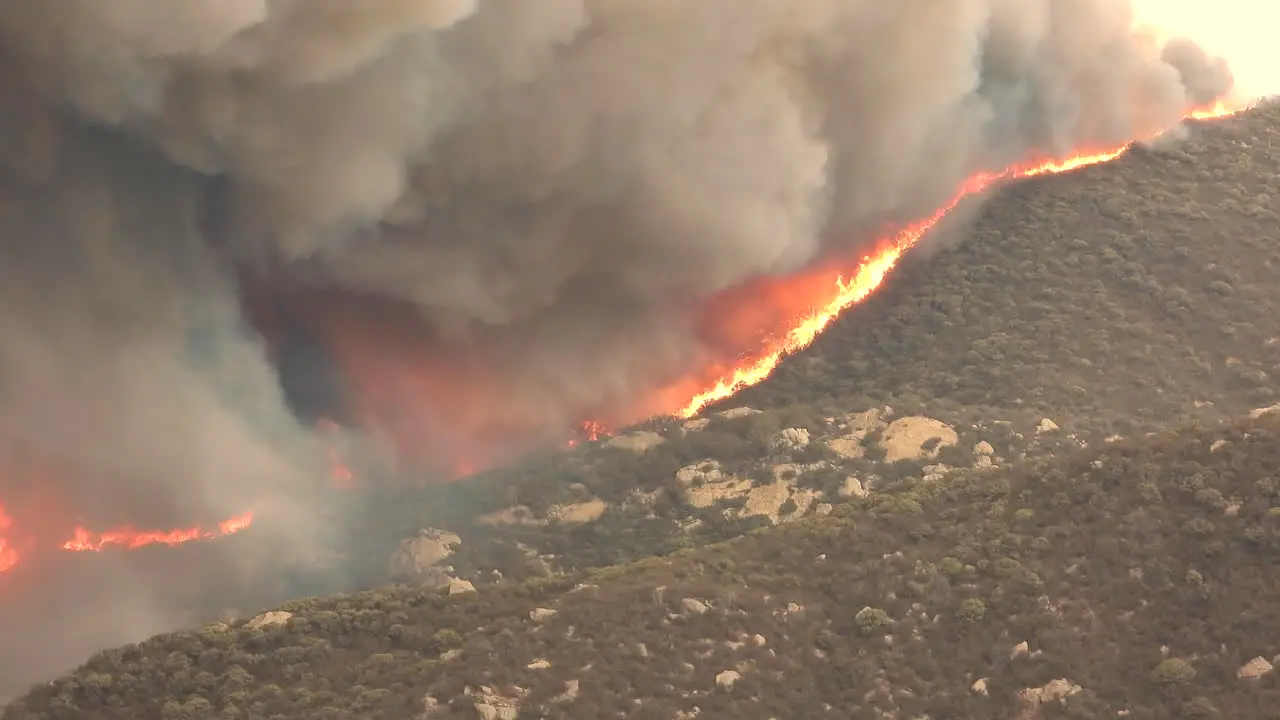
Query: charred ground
{"x": 1121, "y": 300}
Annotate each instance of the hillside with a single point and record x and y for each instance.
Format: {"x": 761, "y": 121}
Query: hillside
{"x": 1121, "y": 296}
{"x": 955, "y": 414}
{"x": 1139, "y": 579}
{"x": 1118, "y": 300}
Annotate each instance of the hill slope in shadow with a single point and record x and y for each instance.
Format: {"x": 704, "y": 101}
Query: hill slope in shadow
{"x": 1139, "y": 578}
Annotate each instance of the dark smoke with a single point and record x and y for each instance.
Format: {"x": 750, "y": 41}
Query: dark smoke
{"x": 223, "y": 219}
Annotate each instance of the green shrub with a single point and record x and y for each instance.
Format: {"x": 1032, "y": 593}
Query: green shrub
{"x": 872, "y": 620}
{"x": 971, "y": 611}
{"x": 1173, "y": 672}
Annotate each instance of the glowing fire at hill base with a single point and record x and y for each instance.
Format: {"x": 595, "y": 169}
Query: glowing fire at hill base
{"x": 130, "y": 538}
{"x": 842, "y": 287}
{"x": 123, "y": 538}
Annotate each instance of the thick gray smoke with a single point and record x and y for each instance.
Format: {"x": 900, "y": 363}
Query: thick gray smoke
{"x": 554, "y": 185}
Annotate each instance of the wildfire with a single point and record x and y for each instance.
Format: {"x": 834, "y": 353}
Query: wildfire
{"x": 589, "y": 431}
{"x": 851, "y": 288}
{"x": 845, "y": 287}
{"x": 1218, "y": 110}
{"x": 129, "y": 538}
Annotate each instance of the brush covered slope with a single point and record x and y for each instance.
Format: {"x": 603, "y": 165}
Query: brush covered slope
{"x": 1138, "y": 579}
{"x": 1123, "y": 296}
{"x": 1122, "y": 299}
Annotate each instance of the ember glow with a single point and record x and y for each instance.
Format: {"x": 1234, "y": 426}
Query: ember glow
{"x": 8, "y": 554}
{"x": 340, "y": 472}
{"x": 853, "y": 285}
{"x": 589, "y": 431}
{"x": 129, "y": 538}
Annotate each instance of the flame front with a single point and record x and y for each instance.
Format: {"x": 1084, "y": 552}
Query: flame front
{"x": 129, "y": 538}
{"x": 854, "y": 285}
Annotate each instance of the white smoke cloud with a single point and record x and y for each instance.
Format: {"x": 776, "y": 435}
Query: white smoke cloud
{"x": 1241, "y": 31}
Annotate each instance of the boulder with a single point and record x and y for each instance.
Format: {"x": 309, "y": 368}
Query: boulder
{"x": 906, "y": 438}
{"x": 416, "y": 559}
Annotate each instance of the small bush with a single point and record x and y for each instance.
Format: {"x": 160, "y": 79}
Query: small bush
{"x": 971, "y": 611}
{"x": 872, "y": 620}
{"x": 1173, "y": 672}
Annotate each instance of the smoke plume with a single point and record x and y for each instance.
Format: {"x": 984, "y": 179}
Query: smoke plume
{"x": 462, "y": 224}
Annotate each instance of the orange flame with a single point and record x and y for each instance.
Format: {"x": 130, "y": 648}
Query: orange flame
{"x": 128, "y": 538}
{"x": 1220, "y": 109}
{"x": 8, "y": 554}
{"x": 589, "y": 431}
{"x": 594, "y": 430}
{"x": 867, "y": 277}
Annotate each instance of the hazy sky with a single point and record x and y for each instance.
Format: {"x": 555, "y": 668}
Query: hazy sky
{"x": 1243, "y": 31}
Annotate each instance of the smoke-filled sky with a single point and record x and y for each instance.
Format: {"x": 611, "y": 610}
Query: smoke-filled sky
{"x": 1243, "y": 31}
{"x": 490, "y": 218}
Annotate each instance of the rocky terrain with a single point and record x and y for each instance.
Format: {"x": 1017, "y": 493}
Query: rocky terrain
{"x": 1020, "y": 481}
{"x": 1133, "y": 580}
